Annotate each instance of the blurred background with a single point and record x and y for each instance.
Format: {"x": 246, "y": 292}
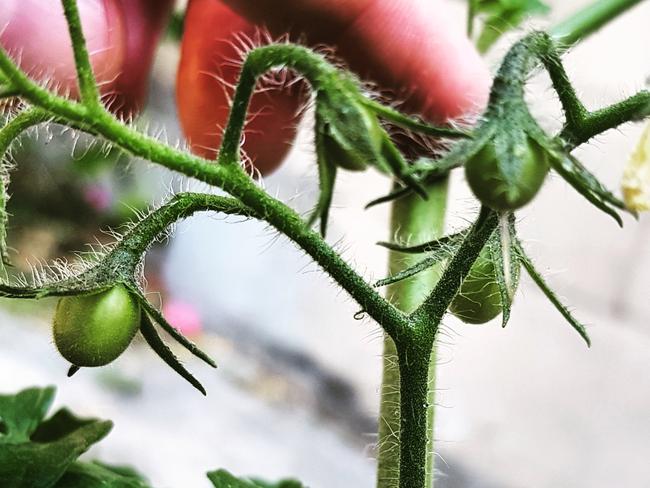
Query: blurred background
{"x": 296, "y": 392}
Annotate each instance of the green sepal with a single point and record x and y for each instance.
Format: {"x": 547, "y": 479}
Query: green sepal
{"x": 326, "y": 179}
{"x": 585, "y": 183}
{"x": 507, "y": 268}
{"x": 447, "y": 242}
{"x": 396, "y": 194}
{"x": 437, "y": 252}
{"x": 349, "y": 134}
{"x": 152, "y": 338}
{"x": 159, "y": 318}
{"x": 550, "y": 294}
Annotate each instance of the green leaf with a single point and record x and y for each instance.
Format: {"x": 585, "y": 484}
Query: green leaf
{"x": 504, "y": 255}
{"x": 98, "y": 475}
{"x": 500, "y": 17}
{"x": 23, "y": 412}
{"x": 550, "y": 294}
{"x": 36, "y": 453}
{"x": 223, "y": 479}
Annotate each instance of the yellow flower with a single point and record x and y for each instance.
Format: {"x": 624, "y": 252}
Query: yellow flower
{"x": 635, "y": 184}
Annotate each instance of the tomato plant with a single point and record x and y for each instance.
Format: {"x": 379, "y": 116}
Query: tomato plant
{"x": 506, "y": 157}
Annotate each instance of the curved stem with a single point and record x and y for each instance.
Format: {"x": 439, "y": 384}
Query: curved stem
{"x": 87, "y": 86}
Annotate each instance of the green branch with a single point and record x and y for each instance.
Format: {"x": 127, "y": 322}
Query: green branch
{"x": 87, "y": 85}
{"x": 588, "y": 20}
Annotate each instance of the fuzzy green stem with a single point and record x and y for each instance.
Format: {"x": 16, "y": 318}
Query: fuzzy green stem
{"x": 414, "y": 358}
{"x": 418, "y": 220}
{"x": 588, "y": 20}
{"x": 258, "y": 61}
{"x": 86, "y": 78}
{"x": 8, "y": 134}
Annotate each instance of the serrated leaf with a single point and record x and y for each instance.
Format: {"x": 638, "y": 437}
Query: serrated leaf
{"x": 550, "y": 294}
{"x": 223, "y": 479}
{"x": 98, "y": 475}
{"x": 505, "y": 257}
{"x": 152, "y": 338}
{"x": 33, "y": 453}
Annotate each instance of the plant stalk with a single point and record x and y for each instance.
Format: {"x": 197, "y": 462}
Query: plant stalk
{"x": 588, "y": 20}
{"x": 417, "y": 220}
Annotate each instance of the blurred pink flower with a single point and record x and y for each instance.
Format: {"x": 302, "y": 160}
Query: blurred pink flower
{"x": 183, "y": 317}
{"x": 98, "y": 197}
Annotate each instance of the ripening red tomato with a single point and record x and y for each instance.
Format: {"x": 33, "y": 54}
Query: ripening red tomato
{"x": 144, "y": 22}
{"x": 35, "y": 33}
{"x": 121, "y": 37}
{"x": 211, "y": 53}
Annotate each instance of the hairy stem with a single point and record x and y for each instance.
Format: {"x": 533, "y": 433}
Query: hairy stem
{"x": 417, "y": 220}
{"x": 86, "y": 78}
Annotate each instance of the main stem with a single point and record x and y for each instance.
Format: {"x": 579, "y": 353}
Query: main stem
{"x": 418, "y": 220}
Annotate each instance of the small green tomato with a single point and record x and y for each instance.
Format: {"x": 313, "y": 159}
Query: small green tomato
{"x": 501, "y": 187}
{"x": 93, "y": 330}
{"x": 478, "y": 301}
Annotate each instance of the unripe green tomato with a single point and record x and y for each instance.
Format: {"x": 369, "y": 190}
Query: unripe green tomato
{"x": 486, "y": 179}
{"x": 359, "y": 148}
{"x": 479, "y": 300}
{"x": 93, "y": 330}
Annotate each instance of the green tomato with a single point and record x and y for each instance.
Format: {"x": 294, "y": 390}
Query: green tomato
{"x": 93, "y": 330}
{"x": 507, "y": 188}
{"x": 479, "y": 300}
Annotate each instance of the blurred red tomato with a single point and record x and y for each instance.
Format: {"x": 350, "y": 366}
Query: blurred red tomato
{"x": 145, "y": 21}
{"x": 121, "y": 37}
{"x": 35, "y": 34}
{"x": 211, "y": 54}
